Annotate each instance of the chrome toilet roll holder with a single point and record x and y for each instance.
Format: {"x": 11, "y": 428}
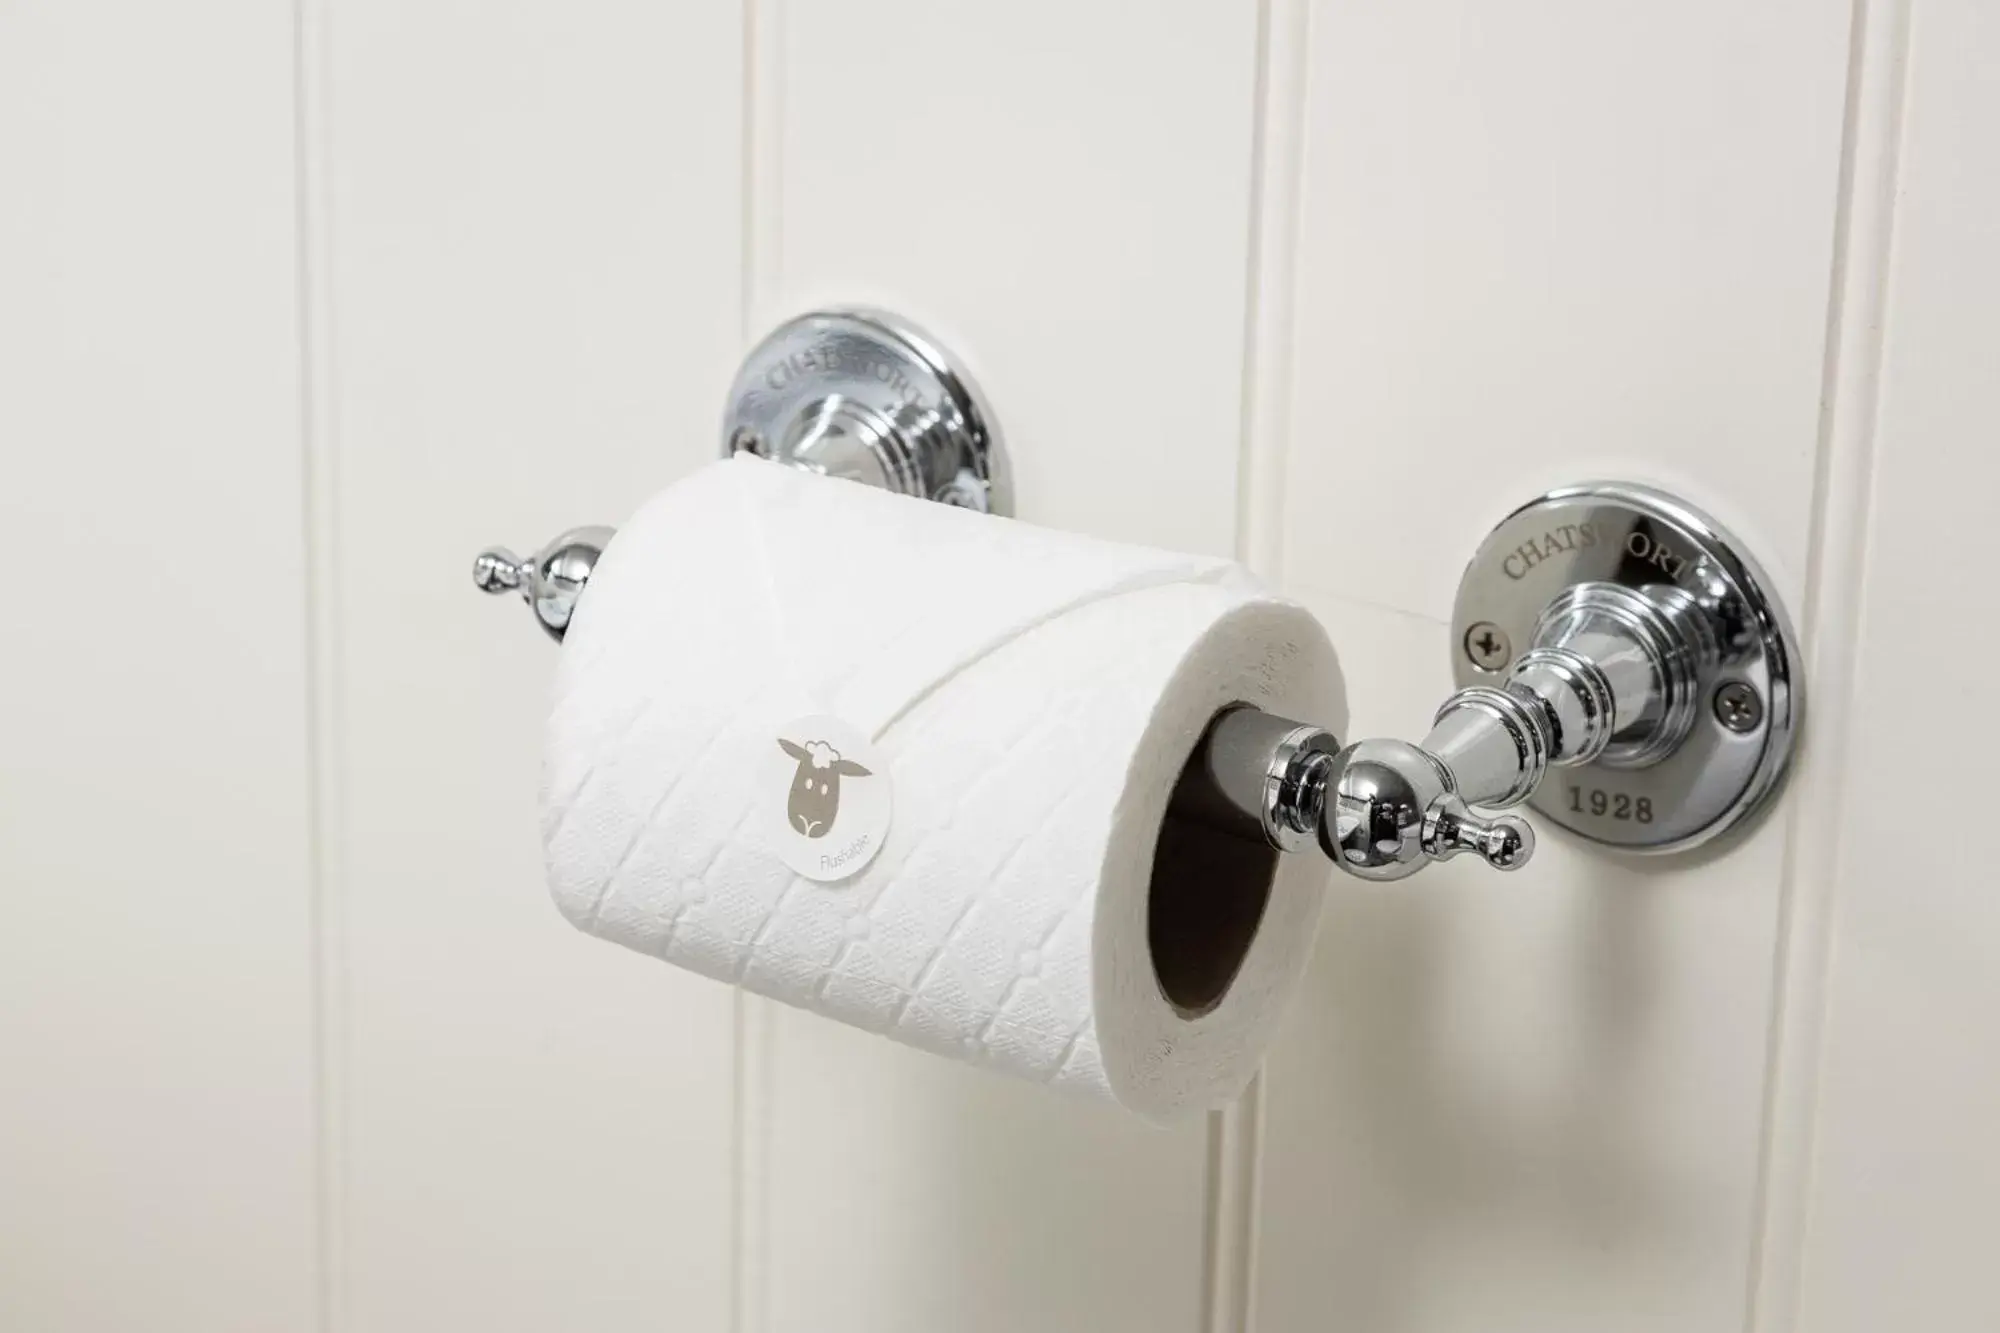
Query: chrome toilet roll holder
{"x": 1623, "y": 666}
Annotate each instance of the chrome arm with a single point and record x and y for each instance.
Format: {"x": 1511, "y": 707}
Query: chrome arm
{"x": 1380, "y": 801}
{"x": 1611, "y": 678}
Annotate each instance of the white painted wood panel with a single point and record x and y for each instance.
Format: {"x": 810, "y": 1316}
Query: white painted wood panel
{"x": 533, "y": 223}
{"x": 1904, "y": 1203}
{"x": 1559, "y": 235}
{"x": 156, "y": 1002}
{"x": 1061, "y": 193}
{"x": 1538, "y": 245}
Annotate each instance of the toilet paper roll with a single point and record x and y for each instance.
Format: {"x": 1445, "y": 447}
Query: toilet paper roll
{"x": 908, "y": 766}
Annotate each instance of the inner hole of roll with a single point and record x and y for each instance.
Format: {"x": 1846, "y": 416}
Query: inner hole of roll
{"x": 1210, "y": 885}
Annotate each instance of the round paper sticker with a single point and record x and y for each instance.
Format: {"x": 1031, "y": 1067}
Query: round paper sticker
{"x": 827, "y": 793}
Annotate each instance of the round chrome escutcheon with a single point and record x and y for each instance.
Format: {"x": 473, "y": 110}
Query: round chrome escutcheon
{"x": 865, "y": 395}
{"x": 1747, "y": 689}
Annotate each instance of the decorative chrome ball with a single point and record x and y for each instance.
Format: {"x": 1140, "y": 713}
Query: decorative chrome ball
{"x": 1378, "y": 796}
{"x": 561, "y": 570}
{"x": 551, "y": 580}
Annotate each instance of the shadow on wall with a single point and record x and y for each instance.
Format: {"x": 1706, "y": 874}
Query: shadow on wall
{"x": 935, "y": 1195}
{"x": 1478, "y": 1106}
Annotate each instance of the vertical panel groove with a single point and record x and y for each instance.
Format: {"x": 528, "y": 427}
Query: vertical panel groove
{"x": 763, "y": 159}
{"x": 321, "y": 626}
{"x": 1278, "y": 162}
{"x": 763, "y": 166}
{"x": 1833, "y": 624}
{"x": 750, "y": 1162}
{"x": 1235, "y": 1155}
{"x": 1235, "y": 1134}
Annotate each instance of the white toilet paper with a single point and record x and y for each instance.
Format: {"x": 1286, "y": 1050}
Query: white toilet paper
{"x": 983, "y": 718}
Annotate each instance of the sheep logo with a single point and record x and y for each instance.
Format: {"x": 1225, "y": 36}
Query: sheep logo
{"x": 815, "y": 828}
{"x": 814, "y": 802}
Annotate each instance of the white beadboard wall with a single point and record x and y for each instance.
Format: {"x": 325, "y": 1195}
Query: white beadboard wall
{"x": 300, "y": 306}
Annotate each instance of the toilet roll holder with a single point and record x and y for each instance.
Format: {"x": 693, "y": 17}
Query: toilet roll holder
{"x": 1623, "y": 665}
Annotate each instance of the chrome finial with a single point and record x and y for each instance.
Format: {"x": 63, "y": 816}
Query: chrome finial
{"x": 551, "y": 580}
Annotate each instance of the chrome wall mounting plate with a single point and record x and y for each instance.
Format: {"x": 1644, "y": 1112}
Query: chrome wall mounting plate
{"x": 865, "y": 395}
{"x": 1623, "y": 667}
{"x": 1680, "y": 621}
